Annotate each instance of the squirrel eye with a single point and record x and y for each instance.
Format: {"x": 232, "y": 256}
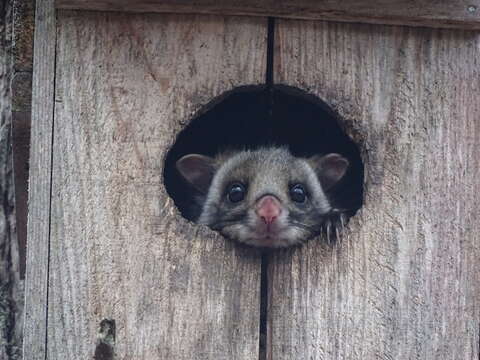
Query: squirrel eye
{"x": 236, "y": 192}
{"x": 298, "y": 193}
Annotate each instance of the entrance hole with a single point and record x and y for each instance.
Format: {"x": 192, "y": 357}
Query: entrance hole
{"x": 256, "y": 116}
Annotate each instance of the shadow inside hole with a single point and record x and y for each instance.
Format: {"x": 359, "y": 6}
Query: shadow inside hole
{"x": 251, "y": 117}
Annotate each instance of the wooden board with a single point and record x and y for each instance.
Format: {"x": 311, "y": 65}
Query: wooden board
{"x": 11, "y": 282}
{"x": 128, "y": 275}
{"x": 23, "y": 26}
{"x": 38, "y": 230}
{"x": 405, "y": 281}
{"x": 456, "y": 13}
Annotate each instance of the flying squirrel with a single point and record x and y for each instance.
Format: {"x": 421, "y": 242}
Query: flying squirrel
{"x": 265, "y": 197}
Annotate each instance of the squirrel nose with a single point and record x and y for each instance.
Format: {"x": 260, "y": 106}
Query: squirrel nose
{"x": 268, "y": 208}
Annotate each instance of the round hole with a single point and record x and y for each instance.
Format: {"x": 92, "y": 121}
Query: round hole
{"x": 254, "y": 117}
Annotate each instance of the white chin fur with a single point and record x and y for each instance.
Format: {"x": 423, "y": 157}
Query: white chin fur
{"x": 285, "y": 236}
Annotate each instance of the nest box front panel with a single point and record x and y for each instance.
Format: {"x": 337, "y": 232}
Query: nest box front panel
{"x": 120, "y": 252}
{"x": 129, "y": 278}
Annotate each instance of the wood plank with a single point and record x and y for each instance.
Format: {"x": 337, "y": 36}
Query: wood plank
{"x": 11, "y": 282}
{"x": 38, "y": 229}
{"x": 454, "y": 14}
{"x": 126, "y": 85}
{"x": 23, "y": 25}
{"x": 405, "y": 281}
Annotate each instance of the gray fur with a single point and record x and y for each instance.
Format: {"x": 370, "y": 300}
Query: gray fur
{"x": 267, "y": 171}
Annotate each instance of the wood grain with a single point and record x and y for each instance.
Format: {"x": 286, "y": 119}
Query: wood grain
{"x": 405, "y": 281}
{"x": 455, "y": 14}
{"x": 126, "y": 85}
{"x": 23, "y": 20}
{"x": 38, "y": 230}
{"x": 11, "y": 283}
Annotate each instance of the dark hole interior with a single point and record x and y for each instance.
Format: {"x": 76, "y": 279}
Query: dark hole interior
{"x": 251, "y": 117}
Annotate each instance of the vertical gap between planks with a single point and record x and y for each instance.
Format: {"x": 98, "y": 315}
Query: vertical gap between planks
{"x": 270, "y": 52}
{"x": 51, "y": 179}
{"x": 263, "y": 328}
{"x": 262, "y": 354}
{"x": 269, "y": 71}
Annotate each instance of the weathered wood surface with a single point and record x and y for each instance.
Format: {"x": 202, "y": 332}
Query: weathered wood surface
{"x": 21, "y": 88}
{"x": 457, "y": 13}
{"x": 126, "y": 84}
{"x": 405, "y": 281}
{"x": 38, "y": 229}
{"x": 11, "y": 285}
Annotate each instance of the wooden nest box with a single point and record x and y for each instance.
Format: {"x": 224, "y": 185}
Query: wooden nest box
{"x": 113, "y": 270}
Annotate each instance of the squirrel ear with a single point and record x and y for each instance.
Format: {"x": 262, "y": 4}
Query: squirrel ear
{"x": 198, "y": 170}
{"x": 330, "y": 168}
